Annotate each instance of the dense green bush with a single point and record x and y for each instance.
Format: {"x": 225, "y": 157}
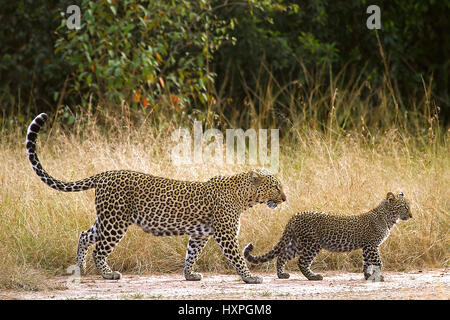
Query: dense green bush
{"x": 272, "y": 43}
{"x": 140, "y": 52}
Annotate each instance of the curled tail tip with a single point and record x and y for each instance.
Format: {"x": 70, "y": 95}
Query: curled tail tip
{"x": 35, "y": 126}
{"x": 40, "y": 119}
{"x": 32, "y": 132}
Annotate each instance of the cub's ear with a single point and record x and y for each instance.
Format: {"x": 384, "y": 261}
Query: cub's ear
{"x": 265, "y": 172}
{"x": 256, "y": 178}
{"x": 390, "y": 197}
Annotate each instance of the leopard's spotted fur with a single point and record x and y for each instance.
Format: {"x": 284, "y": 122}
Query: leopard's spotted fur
{"x": 165, "y": 207}
{"x": 308, "y": 232}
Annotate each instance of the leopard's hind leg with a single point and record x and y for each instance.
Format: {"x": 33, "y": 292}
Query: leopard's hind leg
{"x": 111, "y": 232}
{"x": 281, "y": 262}
{"x": 86, "y": 239}
{"x": 306, "y": 257}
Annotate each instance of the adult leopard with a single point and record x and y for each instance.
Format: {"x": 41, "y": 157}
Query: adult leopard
{"x": 308, "y": 232}
{"x": 164, "y": 207}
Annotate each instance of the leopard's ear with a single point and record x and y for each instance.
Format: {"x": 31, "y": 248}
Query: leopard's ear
{"x": 256, "y": 178}
{"x": 390, "y": 197}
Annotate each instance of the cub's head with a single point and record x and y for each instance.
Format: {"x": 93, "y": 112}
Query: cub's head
{"x": 397, "y": 206}
{"x": 265, "y": 188}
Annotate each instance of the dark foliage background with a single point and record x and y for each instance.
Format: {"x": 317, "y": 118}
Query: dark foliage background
{"x": 205, "y": 53}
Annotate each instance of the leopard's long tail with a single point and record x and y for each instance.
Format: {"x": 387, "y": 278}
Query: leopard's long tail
{"x": 33, "y": 130}
{"x": 269, "y": 255}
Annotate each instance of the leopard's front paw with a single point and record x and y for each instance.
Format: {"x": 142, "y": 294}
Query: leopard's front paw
{"x": 112, "y": 275}
{"x": 253, "y": 279}
{"x": 315, "y": 277}
{"x": 194, "y": 276}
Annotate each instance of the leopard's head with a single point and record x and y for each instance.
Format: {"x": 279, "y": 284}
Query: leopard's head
{"x": 265, "y": 188}
{"x": 397, "y": 206}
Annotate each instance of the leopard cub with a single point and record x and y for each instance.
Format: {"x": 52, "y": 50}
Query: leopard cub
{"x": 309, "y": 232}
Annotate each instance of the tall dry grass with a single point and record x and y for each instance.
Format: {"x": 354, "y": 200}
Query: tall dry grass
{"x": 343, "y": 171}
{"x": 344, "y": 145}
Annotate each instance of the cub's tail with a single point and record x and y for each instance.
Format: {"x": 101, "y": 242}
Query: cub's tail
{"x": 265, "y": 257}
{"x": 32, "y": 133}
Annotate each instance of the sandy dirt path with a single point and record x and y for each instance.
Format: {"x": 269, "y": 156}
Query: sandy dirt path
{"x": 427, "y": 284}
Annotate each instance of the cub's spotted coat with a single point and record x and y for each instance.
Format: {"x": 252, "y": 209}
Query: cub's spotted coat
{"x": 308, "y": 232}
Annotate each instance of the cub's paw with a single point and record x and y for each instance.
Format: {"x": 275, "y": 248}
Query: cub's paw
{"x": 375, "y": 278}
{"x": 373, "y": 273}
{"x": 284, "y": 275}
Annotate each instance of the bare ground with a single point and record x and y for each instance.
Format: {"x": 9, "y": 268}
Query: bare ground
{"x": 427, "y": 284}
